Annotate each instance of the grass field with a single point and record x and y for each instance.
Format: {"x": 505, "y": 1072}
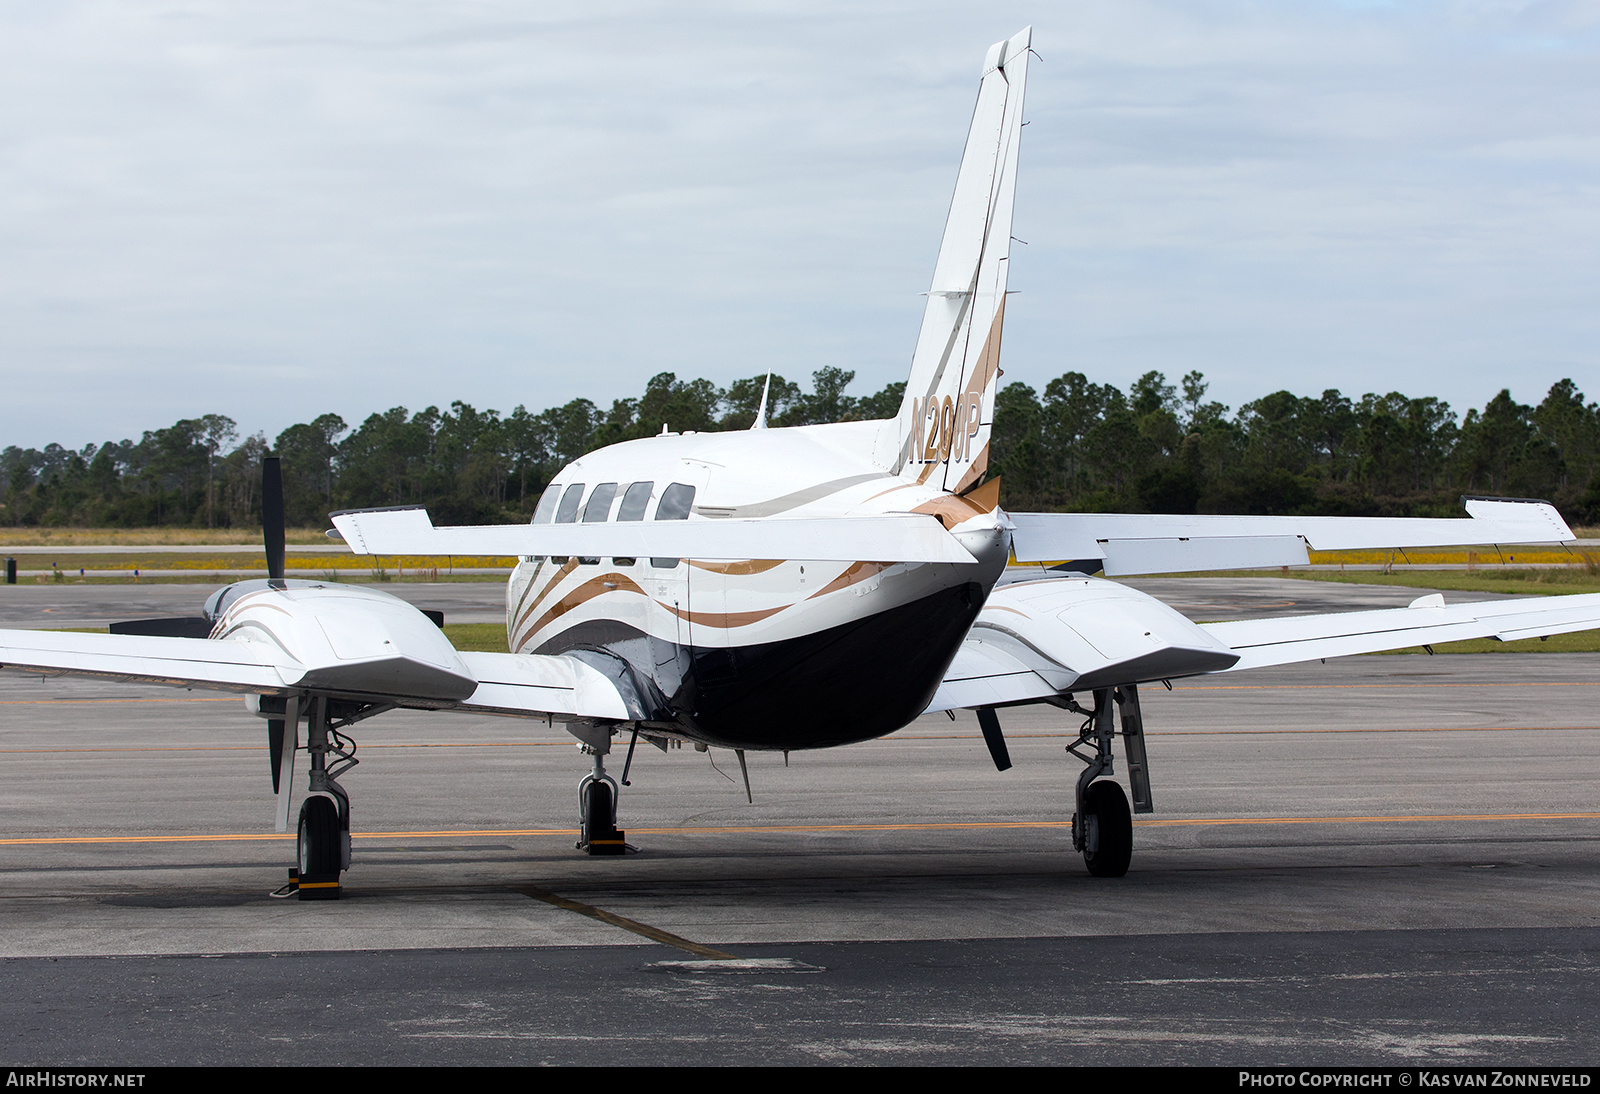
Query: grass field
{"x": 1545, "y": 582}
{"x": 477, "y": 637}
{"x": 217, "y": 578}
{"x": 140, "y": 537}
{"x": 340, "y": 565}
{"x": 1581, "y": 642}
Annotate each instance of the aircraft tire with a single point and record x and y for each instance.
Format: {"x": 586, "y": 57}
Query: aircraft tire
{"x": 1106, "y": 801}
{"x": 319, "y": 844}
{"x": 597, "y": 816}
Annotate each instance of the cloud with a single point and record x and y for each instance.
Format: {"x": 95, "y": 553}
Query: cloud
{"x": 273, "y": 211}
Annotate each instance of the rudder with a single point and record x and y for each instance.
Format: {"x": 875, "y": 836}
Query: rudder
{"x": 941, "y": 433}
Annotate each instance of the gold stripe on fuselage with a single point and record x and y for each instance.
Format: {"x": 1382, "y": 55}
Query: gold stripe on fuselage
{"x": 739, "y": 569}
{"x": 596, "y": 586}
{"x": 724, "y": 620}
{"x": 855, "y": 572}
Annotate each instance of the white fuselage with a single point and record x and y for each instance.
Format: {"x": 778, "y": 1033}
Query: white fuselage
{"x": 735, "y": 652}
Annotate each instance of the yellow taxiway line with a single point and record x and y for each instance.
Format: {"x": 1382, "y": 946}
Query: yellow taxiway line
{"x": 942, "y": 826}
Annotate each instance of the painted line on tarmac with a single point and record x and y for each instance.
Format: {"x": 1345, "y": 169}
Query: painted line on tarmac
{"x": 1360, "y": 729}
{"x": 126, "y": 699}
{"x": 270, "y": 837}
{"x": 644, "y": 930}
{"x": 903, "y": 739}
{"x": 1454, "y": 817}
{"x": 1219, "y": 733}
{"x": 938, "y": 826}
{"x": 1374, "y": 687}
{"x": 257, "y": 748}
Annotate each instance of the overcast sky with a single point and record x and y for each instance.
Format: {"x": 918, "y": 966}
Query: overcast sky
{"x": 271, "y": 211}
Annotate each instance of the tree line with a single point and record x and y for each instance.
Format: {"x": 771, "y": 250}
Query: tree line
{"x": 467, "y": 465}
{"x": 1157, "y": 447}
{"x": 1164, "y": 448}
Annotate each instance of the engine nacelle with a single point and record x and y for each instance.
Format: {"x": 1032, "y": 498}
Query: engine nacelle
{"x": 344, "y": 640}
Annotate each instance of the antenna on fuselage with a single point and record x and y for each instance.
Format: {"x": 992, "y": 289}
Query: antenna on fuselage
{"x": 761, "y": 411}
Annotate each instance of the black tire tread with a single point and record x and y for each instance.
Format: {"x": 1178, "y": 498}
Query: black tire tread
{"x": 1106, "y": 801}
{"x": 319, "y": 844}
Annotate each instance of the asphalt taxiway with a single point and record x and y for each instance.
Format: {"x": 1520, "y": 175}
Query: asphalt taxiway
{"x": 1388, "y": 860}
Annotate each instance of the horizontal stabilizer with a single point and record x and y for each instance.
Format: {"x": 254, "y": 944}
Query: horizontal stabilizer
{"x": 1148, "y": 543}
{"x": 901, "y": 537}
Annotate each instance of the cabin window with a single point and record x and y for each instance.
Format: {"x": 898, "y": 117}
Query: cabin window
{"x": 635, "y": 500}
{"x": 676, "y": 501}
{"x": 547, "y": 504}
{"x": 568, "y": 512}
{"x": 599, "y": 507}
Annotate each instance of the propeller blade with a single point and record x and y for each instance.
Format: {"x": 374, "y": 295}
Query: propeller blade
{"x": 272, "y": 515}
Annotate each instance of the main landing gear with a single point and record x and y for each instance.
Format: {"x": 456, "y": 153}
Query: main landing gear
{"x": 598, "y": 833}
{"x": 322, "y": 843}
{"x": 1102, "y": 826}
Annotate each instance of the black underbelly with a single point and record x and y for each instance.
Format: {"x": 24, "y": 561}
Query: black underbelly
{"x": 852, "y": 682}
{"x": 848, "y": 683}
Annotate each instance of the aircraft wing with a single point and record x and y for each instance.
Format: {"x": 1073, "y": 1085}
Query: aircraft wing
{"x": 524, "y": 683}
{"x": 1260, "y": 642}
{"x": 1146, "y": 543}
{"x": 503, "y": 683}
{"x": 1035, "y": 640}
{"x": 182, "y": 662}
{"x": 899, "y": 537}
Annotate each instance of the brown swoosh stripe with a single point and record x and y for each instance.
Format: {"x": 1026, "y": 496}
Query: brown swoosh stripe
{"x": 892, "y": 489}
{"x": 980, "y": 464}
{"x": 555, "y": 579}
{"x": 723, "y": 620}
{"x": 855, "y": 572}
{"x": 753, "y": 566}
{"x": 529, "y": 589}
{"x": 982, "y": 374}
{"x": 597, "y": 586}
{"x": 951, "y": 509}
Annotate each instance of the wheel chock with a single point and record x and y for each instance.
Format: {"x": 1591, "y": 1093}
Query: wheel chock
{"x": 613, "y": 843}
{"x": 310, "y": 887}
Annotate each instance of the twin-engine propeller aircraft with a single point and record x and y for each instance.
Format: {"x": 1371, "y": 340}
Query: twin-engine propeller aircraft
{"x": 794, "y": 588}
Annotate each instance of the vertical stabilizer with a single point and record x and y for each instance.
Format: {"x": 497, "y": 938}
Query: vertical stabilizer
{"x": 761, "y": 411}
{"x": 941, "y": 434}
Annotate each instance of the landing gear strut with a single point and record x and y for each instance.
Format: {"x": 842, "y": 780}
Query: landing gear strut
{"x": 597, "y": 810}
{"x": 323, "y": 835}
{"x": 1102, "y": 826}
{"x": 323, "y": 845}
